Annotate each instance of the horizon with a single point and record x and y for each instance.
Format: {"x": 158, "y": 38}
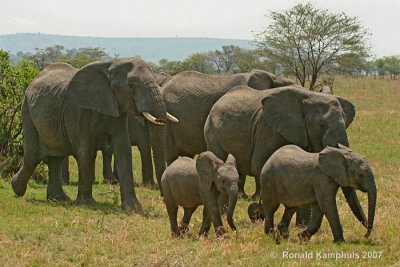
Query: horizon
{"x": 183, "y": 19}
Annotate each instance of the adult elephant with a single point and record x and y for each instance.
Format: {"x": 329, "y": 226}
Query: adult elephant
{"x": 190, "y": 95}
{"x": 139, "y": 136}
{"x": 252, "y": 125}
{"x": 69, "y": 111}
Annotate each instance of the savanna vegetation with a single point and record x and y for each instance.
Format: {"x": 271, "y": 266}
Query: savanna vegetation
{"x": 36, "y": 232}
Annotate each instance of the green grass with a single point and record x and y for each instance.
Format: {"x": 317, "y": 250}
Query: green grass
{"x": 34, "y": 232}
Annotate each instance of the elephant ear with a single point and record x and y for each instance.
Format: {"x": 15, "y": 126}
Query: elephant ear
{"x": 334, "y": 164}
{"x": 207, "y": 164}
{"x": 231, "y": 160}
{"x": 284, "y": 112}
{"x": 348, "y": 110}
{"x": 91, "y": 89}
{"x": 259, "y": 79}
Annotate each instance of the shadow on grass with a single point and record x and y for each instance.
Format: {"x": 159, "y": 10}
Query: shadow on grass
{"x": 104, "y": 207}
{"x": 98, "y": 206}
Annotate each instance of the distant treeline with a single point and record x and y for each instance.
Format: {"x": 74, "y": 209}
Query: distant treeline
{"x": 229, "y": 59}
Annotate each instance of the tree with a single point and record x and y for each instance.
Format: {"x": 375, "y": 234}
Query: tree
{"x": 223, "y": 60}
{"x": 306, "y": 40}
{"x": 85, "y": 56}
{"x": 380, "y": 67}
{"x": 392, "y": 65}
{"x": 199, "y": 62}
{"x": 13, "y": 82}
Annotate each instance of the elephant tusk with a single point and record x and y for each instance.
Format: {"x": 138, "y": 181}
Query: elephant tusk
{"x": 152, "y": 119}
{"x": 172, "y": 118}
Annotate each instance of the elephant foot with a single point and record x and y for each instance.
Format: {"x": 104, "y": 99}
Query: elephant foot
{"x": 220, "y": 231}
{"x": 338, "y": 240}
{"x": 255, "y": 212}
{"x": 86, "y": 200}
{"x": 283, "y": 234}
{"x": 57, "y": 197}
{"x": 276, "y": 235}
{"x": 150, "y": 184}
{"x": 203, "y": 233}
{"x": 18, "y": 187}
{"x": 110, "y": 181}
{"x": 183, "y": 229}
{"x": 304, "y": 237}
{"x": 131, "y": 205}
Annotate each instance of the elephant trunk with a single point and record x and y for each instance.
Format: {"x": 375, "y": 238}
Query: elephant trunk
{"x": 233, "y": 196}
{"x": 354, "y": 203}
{"x": 160, "y": 112}
{"x": 371, "y": 207}
{"x": 157, "y": 135}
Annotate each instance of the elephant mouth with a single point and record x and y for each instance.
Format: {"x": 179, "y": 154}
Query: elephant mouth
{"x": 157, "y": 121}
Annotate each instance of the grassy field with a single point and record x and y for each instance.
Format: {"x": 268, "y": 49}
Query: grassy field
{"x": 34, "y": 232}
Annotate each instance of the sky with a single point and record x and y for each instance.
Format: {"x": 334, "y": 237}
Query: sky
{"x": 237, "y": 19}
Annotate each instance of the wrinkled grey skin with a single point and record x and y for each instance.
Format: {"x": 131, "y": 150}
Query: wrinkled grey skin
{"x": 252, "y": 124}
{"x": 295, "y": 178}
{"x": 190, "y": 183}
{"x": 69, "y": 111}
{"x": 190, "y": 95}
{"x": 139, "y": 136}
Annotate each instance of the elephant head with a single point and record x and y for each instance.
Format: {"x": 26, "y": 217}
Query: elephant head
{"x": 112, "y": 88}
{"x": 222, "y": 175}
{"x": 260, "y": 79}
{"x": 348, "y": 168}
{"x": 309, "y": 120}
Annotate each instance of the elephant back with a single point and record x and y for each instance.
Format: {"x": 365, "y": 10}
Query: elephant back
{"x": 45, "y": 99}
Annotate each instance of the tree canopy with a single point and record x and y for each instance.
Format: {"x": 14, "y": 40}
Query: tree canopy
{"x": 307, "y": 40}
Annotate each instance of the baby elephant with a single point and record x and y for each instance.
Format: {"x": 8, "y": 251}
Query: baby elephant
{"x": 189, "y": 183}
{"x": 296, "y": 178}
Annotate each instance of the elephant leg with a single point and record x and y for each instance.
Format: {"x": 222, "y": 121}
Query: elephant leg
{"x": 65, "y": 170}
{"x": 147, "y": 163}
{"x": 187, "y": 215}
{"x": 172, "y": 210}
{"x": 303, "y": 216}
{"x": 270, "y": 208}
{"x": 256, "y": 195}
{"x": 314, "y": 225}
{"x": 212, "y": 207}
{"x": 122, "y": 149}
{"x": 55, "y": 191}
{"x": 241, "y": 183}
{"x": 283, "y": 226}
{"x": 206, "y": 224}
{"x": 86, "y": 169}
{"x": 108, "y": 175}
{"x": 31, "y": 154}
{"x": 329, "y": 208}
{"x": 20, "y": 180}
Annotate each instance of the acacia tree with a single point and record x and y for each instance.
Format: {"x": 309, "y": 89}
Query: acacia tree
{"x": 307, "y": 40}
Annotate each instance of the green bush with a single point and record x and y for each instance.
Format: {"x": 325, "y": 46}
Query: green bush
{"x": 14, "y": 79}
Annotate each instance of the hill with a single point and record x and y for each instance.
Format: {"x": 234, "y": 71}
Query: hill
{"x": 150, "y": 49}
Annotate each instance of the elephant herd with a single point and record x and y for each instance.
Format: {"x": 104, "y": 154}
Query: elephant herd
{"x": 232, "y": 122}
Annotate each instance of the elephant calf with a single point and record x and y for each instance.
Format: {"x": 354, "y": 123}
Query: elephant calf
{"x": 190, "y": 183}
{"x": 296, "y": 178}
